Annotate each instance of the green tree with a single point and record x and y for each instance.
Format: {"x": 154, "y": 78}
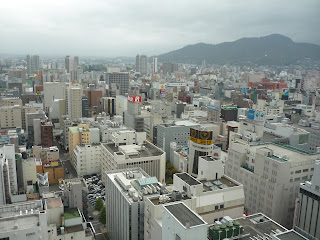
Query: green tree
{"x": 99, "y": 204}
{"x": 103, "y": 215}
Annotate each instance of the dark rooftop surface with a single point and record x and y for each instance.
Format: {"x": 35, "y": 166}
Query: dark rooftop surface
{"x": 184, "y": 214}
{"x": 290, "y": 236}
{"x": 188, "y": 179}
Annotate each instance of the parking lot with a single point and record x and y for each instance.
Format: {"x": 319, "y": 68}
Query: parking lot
{"x": 96, "y": 190}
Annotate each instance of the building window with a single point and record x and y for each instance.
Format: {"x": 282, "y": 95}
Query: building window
{"x": 222, "y": 206}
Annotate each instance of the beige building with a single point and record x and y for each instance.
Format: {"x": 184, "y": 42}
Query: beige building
{"x": 271, "y": 175}
{"x": 75, "y": 102}
{"x": 10, "y": 117}
{"x": 9, "y": 102}
{"x": 46, "y": 154}
{"x": 78, "y": 135}
{"x": 53, "y": 91}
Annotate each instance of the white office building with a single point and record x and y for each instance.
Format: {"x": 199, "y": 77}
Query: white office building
{"x": 87, "y": 159}
{"x": 125, "y": 202}
{"x": 271, "y": 175}
{"x": 127, "y": 152}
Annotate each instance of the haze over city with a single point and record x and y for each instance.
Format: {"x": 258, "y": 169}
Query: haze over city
{"x": 123, "y": 28}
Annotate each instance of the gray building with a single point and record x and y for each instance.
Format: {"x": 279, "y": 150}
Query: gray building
{"x": 178, "y": 132}
{"x": 121, "y": 79}
{"x": 308, "y": 212}
{"x": 142, "y": 64}
{"x": 33, "y": 63}
{"x": 314, "y": 137}
{"x": 65, "y": 128}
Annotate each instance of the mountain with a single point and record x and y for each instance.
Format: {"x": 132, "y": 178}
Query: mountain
{"x": 273, "y": 49}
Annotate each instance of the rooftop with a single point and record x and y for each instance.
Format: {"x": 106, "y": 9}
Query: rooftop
{"x": 188, "y": 179}
{"x": 18, "y": 223}
{"x": 54, "y": 203}
{"x": 70, "y": 213}
{"x": 259, "y": 225}
{"x": 221, "y": 183}
{"x": 183, "y": 214}
{"x": 134, "y": 151}
{"x": 290, "y": 235}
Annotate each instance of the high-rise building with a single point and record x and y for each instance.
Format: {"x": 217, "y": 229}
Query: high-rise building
{"x": 75, "y": 102}
{"x": 85, "y": 106}
{"x": 68, "y": 64}
{"x": 142, "y": 64}
{"x": 46, "y": 134}
{"x": 75, "y": 62}
{"x": 271, "y": 175}
{"x": 107, "y": 105}
{"x": 53, "y": 91}
{"x": 155, "y": 65}
{"x": 33, "y": 63}
{"x": 121, "y": 79}
{"x": 8, "y": 173}
{"x": 307, "y": 212}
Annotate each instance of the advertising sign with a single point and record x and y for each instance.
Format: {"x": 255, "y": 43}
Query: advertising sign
{"x": 231, "y": 107}
{"x": 212, "y": 107}
{"x": 201, "y": 137}
{"x": 134, "y": 99}
{"x": 162, "y": 93}
{"x": 251, "y": 114}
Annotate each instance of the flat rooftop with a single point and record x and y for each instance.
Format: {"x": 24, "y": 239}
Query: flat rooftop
{"x": 183, "y": 214}
{"x": 188, "y": 179}
{"x": 134, "y": 151}
{"x": 290, "y": 235}
{"x": 222, "y": 183}
{"x": 54, "y": 203}
{"x": 23, "y": 222}
{"x": 70, "y": 213}
{"x": 259, "y": 225}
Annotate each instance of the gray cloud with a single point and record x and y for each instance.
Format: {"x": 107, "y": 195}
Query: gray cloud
{"x": 125, "y": 28}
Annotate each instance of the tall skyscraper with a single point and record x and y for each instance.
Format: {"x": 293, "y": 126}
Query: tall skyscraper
{"x": 68, "y": 64}
{"x": 75, "y": 62}
{"x": 155, "y": 65}
{"x": 142, "y": 64}
{"x": 75, "y": 102}
{"x": 33, "y": 63}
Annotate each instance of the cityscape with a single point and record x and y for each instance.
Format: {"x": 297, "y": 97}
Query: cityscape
{"x": 170, "y": 139}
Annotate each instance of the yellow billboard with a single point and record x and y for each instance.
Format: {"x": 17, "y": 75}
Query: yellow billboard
{"x": 201, "y": 137}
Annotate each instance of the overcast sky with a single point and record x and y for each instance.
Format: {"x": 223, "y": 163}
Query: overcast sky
{"x": 127, "y": 27}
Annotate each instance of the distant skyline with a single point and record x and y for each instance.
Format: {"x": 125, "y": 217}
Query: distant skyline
{"x": 112, "y": 28}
